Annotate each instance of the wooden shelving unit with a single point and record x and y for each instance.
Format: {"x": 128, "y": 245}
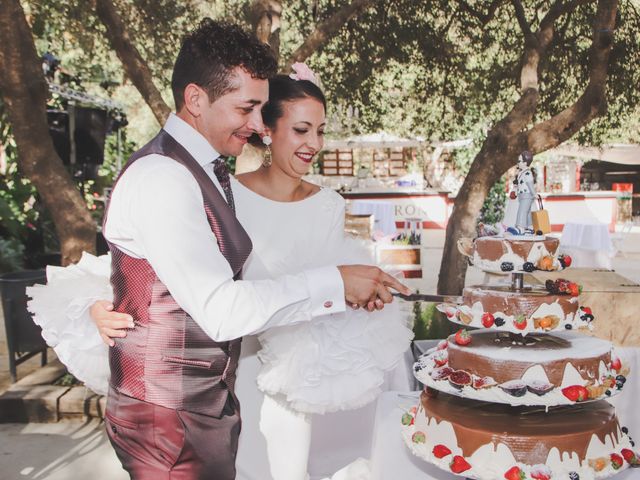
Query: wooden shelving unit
{"x": 389, "y": 162}
{"x": 337, "y": 162}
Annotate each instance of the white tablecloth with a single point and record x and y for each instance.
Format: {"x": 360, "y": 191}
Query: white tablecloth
{"x": 341, "y": 437}
{"x": 588, "y": 243}
{"x": 383, "y": 213}
{"x": 391, "y": 459}
{"x": 587, "y": 234}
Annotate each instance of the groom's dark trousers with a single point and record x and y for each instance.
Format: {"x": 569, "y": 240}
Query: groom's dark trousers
{"x": 158, "y": 443}
{"x": 171, "y": 412}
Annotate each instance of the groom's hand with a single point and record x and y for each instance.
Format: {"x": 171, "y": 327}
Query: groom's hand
{"x": 369, "y": 287}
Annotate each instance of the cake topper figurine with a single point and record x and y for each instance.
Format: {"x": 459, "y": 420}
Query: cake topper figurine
{"x": 525, "y": 190}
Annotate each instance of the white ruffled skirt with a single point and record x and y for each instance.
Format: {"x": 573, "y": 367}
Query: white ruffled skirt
{"x": 61, "y": 309}
{"x": 333, "y": 363}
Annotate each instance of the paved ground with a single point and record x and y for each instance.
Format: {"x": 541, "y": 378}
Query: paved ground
{"x": 73, "y": 450}
{"x": 57, "y": 451}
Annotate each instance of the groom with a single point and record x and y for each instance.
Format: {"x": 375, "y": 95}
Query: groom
{"x": 178, "y": 251}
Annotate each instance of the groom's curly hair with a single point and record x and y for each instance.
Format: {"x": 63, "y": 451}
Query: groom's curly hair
{"x": 210, "y": 53}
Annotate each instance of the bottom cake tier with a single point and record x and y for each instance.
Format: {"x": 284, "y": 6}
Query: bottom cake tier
{"x": 492, "y": 441}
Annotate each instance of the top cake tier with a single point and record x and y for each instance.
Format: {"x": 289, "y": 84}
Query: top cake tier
{"x": 517, "y": 254}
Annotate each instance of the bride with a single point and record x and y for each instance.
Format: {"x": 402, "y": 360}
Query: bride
{"x": 286, "y": 374}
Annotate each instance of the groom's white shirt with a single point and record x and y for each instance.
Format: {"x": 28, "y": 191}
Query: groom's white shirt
{"x": 157, "y": 213}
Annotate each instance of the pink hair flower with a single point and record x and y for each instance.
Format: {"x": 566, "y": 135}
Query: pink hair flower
{"x": 302, "y": 72}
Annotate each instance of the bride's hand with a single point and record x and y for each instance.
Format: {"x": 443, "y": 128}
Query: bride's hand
{"x": 110, "y": 324}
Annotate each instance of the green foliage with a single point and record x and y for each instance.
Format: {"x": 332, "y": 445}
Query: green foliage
{"x": 18, "y": 217}
{"x": 429, "y": 323}
{"x": 430, "y": 69}
{"x": 493, "y": 209}
{"x": 67, "y": 380}
{"x": 11, "y": 255}
{"x": 231, "y": 165}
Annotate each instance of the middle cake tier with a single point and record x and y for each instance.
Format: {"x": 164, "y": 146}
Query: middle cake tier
{"x": 531, "y": 309}
{"x": 539, "y": 369}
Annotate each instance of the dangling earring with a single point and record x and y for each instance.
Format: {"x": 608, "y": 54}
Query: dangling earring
{"x": 266, "y": 158}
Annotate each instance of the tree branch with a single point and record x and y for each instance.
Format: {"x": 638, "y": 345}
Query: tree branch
{"x": 592, "y": 103}
{"x": 521, "y": 17}
{"x": 325, "y": 30}
{"x": 559, "y": 9}
{"x": 536, "y": 44}
{"x": 134, "y": 65}
{"x": 484, "y": 18}
{"x": 264, "y": 16}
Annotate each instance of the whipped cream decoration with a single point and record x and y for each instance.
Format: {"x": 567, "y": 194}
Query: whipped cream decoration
{"x": 536, "y": 374}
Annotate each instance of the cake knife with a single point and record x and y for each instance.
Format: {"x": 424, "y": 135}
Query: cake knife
{"x": 420, "y": 297}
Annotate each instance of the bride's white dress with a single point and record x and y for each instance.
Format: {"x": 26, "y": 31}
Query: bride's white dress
{"x": 333, "y": 363}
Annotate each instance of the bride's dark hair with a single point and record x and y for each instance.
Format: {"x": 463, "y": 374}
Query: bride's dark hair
{"x": 282, "y": 89}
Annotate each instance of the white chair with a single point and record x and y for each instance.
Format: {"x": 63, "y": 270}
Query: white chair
{"x": 618, "y": 238}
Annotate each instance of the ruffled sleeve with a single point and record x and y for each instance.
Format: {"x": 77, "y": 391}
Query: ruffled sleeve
{"x": 61, "y": 309}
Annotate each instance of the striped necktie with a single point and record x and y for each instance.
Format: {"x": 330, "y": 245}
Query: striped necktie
{"x": 222, "y": 174}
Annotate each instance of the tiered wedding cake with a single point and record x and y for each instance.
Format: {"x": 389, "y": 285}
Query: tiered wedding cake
{"x": 524, "y": 396}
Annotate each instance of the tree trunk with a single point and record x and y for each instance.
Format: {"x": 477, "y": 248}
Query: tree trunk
{"x": 134, "y": 65}
{"x": 25, "y": 93}
{"x": 462, "y": 222}
{"x": 507, "y": 138}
